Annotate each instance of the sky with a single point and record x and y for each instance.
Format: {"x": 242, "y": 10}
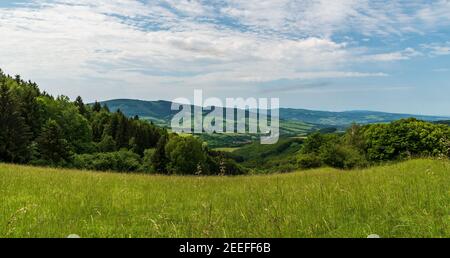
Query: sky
{"x": 336, "y": 55}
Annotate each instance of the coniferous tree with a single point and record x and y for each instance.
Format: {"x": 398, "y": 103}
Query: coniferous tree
{"x": 14, "y": 133}
{"x": 121, "y": 135}
{"x": 105, "y": 108}
{"x": 96, "y": 107}
{"x": 159, "y": 158}
{"x": 113, "y": 125}
{"x": 18, "y": 79}
{"x": 51, "y": 143}
{"x": 30, "y": 109}
{"x": 80, "y": 105}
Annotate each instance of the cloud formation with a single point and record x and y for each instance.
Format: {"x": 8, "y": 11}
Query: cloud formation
{"x": 151, "y": 45}
{"x": 438, "y": 49}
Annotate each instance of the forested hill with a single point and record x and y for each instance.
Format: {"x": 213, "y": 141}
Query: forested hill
{"x": 443, "y": 122}
{"x": 349, "y": 117}
{"x": 160, "y": 113}
{"x": 39, "y": 129}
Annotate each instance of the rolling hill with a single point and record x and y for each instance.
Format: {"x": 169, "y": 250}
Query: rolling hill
{"x": 443, "y": 122}
{"x": 160, "y": 113}
{"x": 293, "y": 122}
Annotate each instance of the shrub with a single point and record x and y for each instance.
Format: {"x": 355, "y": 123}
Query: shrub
{"x": 230, "y": 167}
{"x": 124, "y": 161}
{"x": 313, "y": 143}
{"x": 307, "y": 161}
{"x": 341, "y": 156}
{"x": 186, "y": 155}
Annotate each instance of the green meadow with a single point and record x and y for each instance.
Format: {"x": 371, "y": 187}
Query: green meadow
{"x": 408, "y": 199}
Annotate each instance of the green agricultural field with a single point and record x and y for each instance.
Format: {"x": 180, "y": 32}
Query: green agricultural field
{"x": 410, "y": 199}
{"x": 227, "y": 149}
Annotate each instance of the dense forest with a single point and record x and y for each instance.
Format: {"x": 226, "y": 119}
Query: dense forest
{"x": 39, "y": 129}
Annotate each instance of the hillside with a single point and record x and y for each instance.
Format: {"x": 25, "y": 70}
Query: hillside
{"x": 279, "y": 157}
{"x": 293, "y": 122}
{"x": 443, "y": 122}
{"x": 409, "y": 199}
{"x": 159, "y": 112}
{"x": 348, "y": 117}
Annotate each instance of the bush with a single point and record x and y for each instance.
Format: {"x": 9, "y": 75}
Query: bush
{"x": 186, "y": 156}
{"x": 221, "y": 163}
{"x": 230, "y": 167}
{"x": 307, "y": 161}
{"x": 124, "y": 161}
{"x": 313, "y": 143}
{"x": 341, "y": 156}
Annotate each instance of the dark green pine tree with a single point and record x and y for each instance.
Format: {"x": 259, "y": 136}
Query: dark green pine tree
{"x": 159, "y": 159}
{"x": 122, "y": 138}
{"x": 80, "y": 105}
{"x": 51, "y": 143}
{"x": 113, "y": 125}
{"x": 96, "y": 107}
{"x": 105, "y": 108}
{"x": 14, "y": 133}
{"x": 99, "y": 124}
{"x": 18, "y": 79}
{"x": 141, "y": 138}
{"x": 30, "y": 109}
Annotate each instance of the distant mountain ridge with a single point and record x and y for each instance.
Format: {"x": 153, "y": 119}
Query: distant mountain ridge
{"x": 348, "y": 117}
{"x": 157, "y": 111}
{"x": 160, "y": 113}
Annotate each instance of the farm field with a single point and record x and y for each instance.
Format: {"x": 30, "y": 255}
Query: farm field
{"x": 409, "y": 199}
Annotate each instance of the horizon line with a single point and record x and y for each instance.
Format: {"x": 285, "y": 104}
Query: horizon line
{"x": 294, "y": 108}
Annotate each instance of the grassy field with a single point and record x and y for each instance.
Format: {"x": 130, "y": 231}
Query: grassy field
{"x": 410, "y": 199}
{"x": 227, "y": 149}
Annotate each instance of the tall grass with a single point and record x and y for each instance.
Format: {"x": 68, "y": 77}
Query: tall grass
{"x": 410, "y": 199}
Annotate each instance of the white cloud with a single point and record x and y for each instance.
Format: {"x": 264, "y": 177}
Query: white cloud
{"x": 173, "y": 42}
{"x": 435, "y": 13}
{"x": 438, "y": 49}
{"x": 406, "y": 54}
{"x": 77, "y": 38}
{"x": 324, "y": 18}
{"x": 190, "y": 7}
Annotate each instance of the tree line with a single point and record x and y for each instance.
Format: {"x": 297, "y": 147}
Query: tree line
{"x": 364, "y": 145}
{"x": 39, "y": 129}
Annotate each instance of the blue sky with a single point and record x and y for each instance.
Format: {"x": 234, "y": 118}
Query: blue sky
{"x": 329, "y": 55}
